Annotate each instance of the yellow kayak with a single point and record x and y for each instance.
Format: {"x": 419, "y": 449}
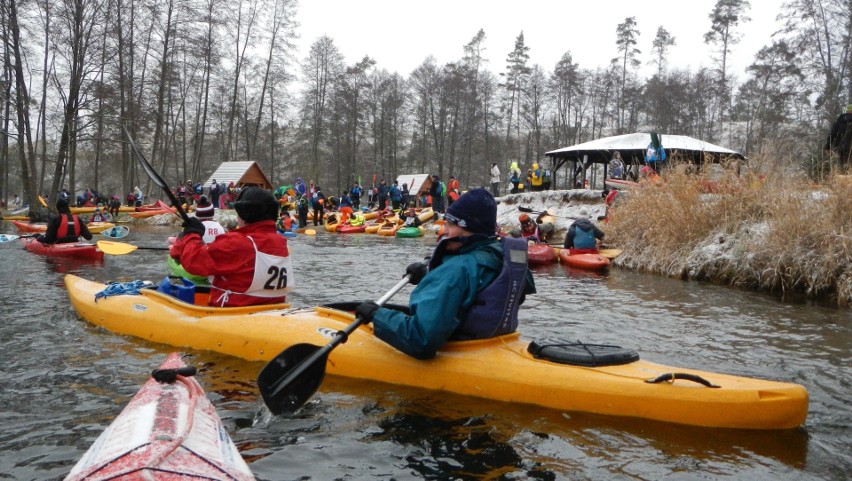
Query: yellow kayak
{"x": 502, "y": 368}
{"x": 98, "y": 227}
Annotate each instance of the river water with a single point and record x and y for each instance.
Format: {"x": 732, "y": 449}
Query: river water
{"x": 63, "y": 380}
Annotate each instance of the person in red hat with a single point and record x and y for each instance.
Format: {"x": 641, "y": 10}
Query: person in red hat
{"x": 530, "y": 229}
{"x": 471, "y": 288}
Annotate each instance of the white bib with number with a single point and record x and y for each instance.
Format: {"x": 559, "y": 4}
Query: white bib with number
{"x": 273, "y": 276}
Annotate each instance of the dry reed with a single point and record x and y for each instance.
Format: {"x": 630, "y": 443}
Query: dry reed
{"x": 781, "y": 234}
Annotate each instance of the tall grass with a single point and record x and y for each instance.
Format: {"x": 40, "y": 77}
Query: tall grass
{"x": 776, "y": 233}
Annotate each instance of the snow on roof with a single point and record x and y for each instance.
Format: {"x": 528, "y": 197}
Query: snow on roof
{"x": 415, "y": 181}
{"x": 638, "y": 142}
{"x": 235, "y": 171}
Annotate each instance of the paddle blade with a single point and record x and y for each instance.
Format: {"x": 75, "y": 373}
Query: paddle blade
{"x": 286, "y": 383}
{"x": 310, "y": 232}
{"x": 149, "y": 169}
{"x": 115, "y": 248}
{"x": 8, "y": 237}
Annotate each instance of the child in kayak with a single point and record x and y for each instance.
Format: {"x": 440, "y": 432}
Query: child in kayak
{"x": 411, "y": 219}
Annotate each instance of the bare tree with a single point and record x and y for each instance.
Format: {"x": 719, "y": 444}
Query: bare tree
{"x": 79, "y": 19}
{"x": 244, "y": 35}
{"x": 534, "y": 105}
{"x": 26, "y": 152}
{"x": 821, "y": 32}
{"x": 765, "y": 101}
{"x": 280, "y": 33}
{"x": 322, "y": 67}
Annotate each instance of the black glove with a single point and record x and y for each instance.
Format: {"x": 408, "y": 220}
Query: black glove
{"x": 193, "y": 225}
{"x": 416, "y": 271}
{"x": 366, "y": 310}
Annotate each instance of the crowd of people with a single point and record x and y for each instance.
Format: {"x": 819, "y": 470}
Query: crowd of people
{"x": 460, "y": 291}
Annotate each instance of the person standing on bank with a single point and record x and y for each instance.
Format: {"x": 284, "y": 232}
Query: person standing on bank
{"x": 247, "y": 266}
{"x": 495, "y": 180}
{"x": 471, "y": 288}
{"x": 318, "y": 204}
{"x": 302, "y": 209}
{"x": 616, "y": 166}
{"x": 65, "y": 227}
{"x": 355, "y": 195}
{"x": 383, "y": 194}
{"x": 840, "y": 138}
{"x": 436, "y": 190}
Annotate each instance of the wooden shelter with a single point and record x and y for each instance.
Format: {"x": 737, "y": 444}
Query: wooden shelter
{"x": 632, "y": 148}
{"x": 242, "y": 174}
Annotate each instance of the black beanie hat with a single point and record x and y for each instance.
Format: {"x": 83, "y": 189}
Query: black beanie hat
{"x": 62, "y": 206}
{"x": 255, "y": 204}
{"x": 475, "y": 212}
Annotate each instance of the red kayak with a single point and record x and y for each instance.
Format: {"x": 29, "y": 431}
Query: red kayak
{"x": 351, "y": 229}
{"x": 27, "y": 227}
{"x": 79, "y": 250}
{"x": 541, "y": 254}
{"x": 159, "y": 205}
{"x": 169, "y": 431}
{"x": 594, "y": 262}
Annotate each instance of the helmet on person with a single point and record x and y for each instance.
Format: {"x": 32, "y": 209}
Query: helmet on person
{"x": 254, "y": 204}
{"x": 524, "y": 218}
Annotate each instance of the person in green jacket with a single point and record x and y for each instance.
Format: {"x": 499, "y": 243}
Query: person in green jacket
{"x": 471, "y": 288}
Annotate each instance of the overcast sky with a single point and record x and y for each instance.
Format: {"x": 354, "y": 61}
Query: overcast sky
{"x": 400, "y": 34}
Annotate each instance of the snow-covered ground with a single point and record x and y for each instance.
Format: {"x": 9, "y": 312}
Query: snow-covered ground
{"x": 565, "y": 205}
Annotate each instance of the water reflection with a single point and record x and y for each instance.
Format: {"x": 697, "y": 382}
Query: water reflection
{"x": 64, "y": 380}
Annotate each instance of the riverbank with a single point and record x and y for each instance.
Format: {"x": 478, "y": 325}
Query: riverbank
{"x": 779, "y": 235}
{"x": 784, "y": 236}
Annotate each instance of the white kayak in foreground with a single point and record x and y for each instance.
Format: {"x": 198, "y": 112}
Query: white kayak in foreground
{"x": 168, "y": 431}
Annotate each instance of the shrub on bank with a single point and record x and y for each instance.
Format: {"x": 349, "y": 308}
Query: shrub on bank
{"x": 780, "y": 234}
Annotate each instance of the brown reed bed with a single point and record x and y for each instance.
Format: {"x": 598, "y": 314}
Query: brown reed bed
{"x": 776, "y": 233}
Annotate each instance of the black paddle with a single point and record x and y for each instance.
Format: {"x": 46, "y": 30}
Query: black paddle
{"x": 530, "y": 211}
{"x": 154, "y": 175}
{"x": 294, "y": 375}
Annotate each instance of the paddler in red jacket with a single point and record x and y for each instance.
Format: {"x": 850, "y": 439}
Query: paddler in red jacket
{"x": 65, "y": 227}
{"x": 249, "y": 265}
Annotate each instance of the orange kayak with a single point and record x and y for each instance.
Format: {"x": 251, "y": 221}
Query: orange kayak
{"x": 594, "y": 262}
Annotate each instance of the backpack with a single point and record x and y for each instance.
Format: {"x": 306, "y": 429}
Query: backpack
{"x": 443, "y": 187}
{"x": 545, "y": 175}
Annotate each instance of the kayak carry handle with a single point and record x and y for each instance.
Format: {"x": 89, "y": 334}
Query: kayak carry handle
{"x": 671, "y": 376}
{"x": 169, "y": 376}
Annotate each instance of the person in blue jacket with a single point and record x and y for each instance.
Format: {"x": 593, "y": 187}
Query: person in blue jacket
{"x": 582, "y": 235}
{"x": 384, "y": 194}
{"x": 471, "y": 288}
{"x": 395, "y": 195}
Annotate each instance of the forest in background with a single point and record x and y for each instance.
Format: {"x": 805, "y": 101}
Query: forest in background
{"x": 199, "y": 82}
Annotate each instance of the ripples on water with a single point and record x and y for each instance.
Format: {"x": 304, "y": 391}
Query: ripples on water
{"x": 63, "y": 380}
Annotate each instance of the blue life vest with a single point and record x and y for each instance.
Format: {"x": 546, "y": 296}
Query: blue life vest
{"x": 495, "y": 310}
{"x": 584, "y": 239}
